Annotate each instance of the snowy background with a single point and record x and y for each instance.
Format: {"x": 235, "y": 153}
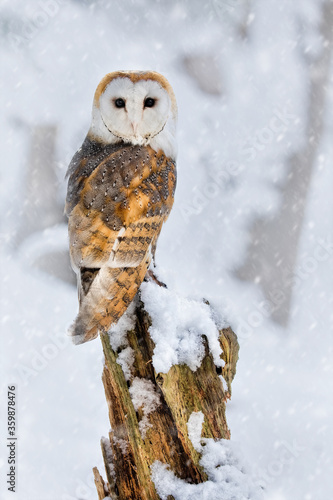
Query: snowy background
{"x": 251, "y": 229}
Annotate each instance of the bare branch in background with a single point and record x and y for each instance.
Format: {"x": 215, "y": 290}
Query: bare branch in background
{"x": 272, "y": 254}
{"x": 41, "y": 208}
{"x": 204, "y": 70}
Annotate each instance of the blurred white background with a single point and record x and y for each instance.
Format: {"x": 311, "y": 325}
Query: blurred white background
{"x": 251, "y": 229}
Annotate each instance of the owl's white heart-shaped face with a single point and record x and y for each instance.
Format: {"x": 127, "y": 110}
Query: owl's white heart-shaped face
{"x": 135, "y": 112}
{"x": 137, "y": 108}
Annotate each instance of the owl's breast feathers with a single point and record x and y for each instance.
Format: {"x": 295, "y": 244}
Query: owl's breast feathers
{"x": 118, "y": 198}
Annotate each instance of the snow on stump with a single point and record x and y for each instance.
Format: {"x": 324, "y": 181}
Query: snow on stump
{"x": 164, "y": 365}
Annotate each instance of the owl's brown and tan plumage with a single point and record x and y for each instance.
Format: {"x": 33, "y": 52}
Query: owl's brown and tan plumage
{"x": 120, "y": 191}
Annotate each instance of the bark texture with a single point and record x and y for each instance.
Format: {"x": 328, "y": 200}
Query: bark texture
{"x": 133, "y": 447}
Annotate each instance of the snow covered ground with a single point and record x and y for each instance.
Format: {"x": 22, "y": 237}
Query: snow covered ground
{"x": 54, "y": 52}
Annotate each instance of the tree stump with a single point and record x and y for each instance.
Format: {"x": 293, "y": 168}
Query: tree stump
{"x": 140, "y": 437}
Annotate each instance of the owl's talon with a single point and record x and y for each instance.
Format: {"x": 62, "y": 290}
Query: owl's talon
{"x": 150, "y": 276}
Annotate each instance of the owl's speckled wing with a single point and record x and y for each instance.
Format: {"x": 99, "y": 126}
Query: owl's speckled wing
{"x": 118, "y": 198}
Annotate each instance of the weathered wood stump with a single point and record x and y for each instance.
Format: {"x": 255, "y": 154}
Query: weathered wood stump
{"x": 138, "y": 439}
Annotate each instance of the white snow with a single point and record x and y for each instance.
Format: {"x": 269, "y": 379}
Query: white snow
{"x": 109, "y": 454}
{"x": 227, "y": 479}
{"x": 144, "y": 397}
{"x": 119, "y": 342}
{"x": 194, "y": 428}
{"x": 178, "y": 326}
{"x": 125, "y": 360}
{"x": 118, "y": 333}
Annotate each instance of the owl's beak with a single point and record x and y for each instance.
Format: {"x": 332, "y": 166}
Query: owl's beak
{"x": 134, "y": 127}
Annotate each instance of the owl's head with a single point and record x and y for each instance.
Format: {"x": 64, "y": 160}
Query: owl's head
{"x": 136, "y": 107}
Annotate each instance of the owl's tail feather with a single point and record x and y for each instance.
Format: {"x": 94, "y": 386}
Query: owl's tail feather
{"x": 109, "y": 295}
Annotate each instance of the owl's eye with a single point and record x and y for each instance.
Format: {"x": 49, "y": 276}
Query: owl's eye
{"x": 119, "y": 103}
{"x": 149, "y": 102}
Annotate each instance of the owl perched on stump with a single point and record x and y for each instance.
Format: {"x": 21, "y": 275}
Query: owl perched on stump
{"x": 120, "y": 191}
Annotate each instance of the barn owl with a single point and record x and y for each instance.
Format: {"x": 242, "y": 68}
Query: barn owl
{"x": 121, "y": 185}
